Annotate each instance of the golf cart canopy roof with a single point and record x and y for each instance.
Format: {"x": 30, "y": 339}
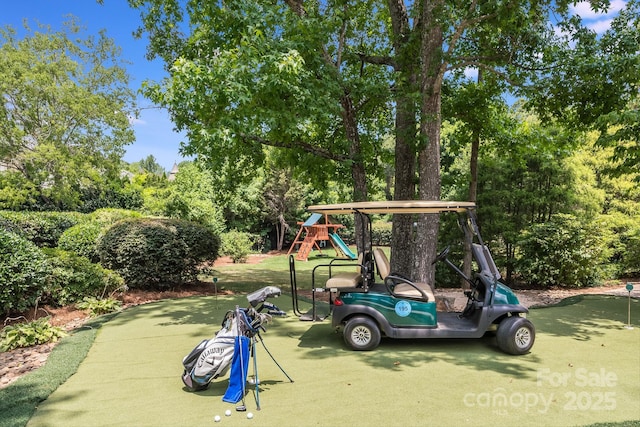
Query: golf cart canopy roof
{"x": 393, "y": 207}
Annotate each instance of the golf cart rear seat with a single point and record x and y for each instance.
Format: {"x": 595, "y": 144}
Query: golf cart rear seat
{"x": 401, "y": 289}
{"x": 346, "y": 279}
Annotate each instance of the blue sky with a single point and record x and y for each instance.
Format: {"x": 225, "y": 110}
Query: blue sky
{"x": 153, "y": 129}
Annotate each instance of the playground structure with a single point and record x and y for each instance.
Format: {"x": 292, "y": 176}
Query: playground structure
{"x": 311, "y": 233}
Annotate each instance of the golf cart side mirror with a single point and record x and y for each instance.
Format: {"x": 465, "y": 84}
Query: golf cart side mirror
{"x": 261, "y": 295}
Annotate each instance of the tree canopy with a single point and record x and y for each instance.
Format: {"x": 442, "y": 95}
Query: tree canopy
{"x": 65, "y": 114}
{"x": 329, "y": 80}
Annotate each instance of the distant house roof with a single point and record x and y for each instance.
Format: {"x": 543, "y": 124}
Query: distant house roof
{"x": 173, "y": 173}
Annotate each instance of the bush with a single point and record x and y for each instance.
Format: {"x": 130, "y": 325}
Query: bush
{"x": 381, "y": 233}
{"x": 99, "y": 306}
{"x": 114, "y": 196}
{"x": 108, "y": 216}
{"x": 23, "y": 273}
{"x": 29, "y": 334}
{"x": 81, "y": 239}
{"x": 624, "y": 244}
{"x": 237, "y": 245}
{"x": 43, "y": 228}
{"x": 74, "y": 277}
{"x": 561, "y": 252}
{"x": 630, "y": 263}
{"x": 157, "y": 253}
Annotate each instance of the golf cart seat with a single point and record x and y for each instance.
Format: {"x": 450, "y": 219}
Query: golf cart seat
{"x": 400, "y": 285}
{"x": 346, "y": 279}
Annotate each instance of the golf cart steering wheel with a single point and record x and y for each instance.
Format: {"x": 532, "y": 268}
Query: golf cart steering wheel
{"x": 442, "y": 255}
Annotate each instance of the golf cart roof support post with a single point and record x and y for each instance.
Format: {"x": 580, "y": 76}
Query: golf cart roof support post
{"x": 367, "y": 244}
{"x": 476, "y": 229}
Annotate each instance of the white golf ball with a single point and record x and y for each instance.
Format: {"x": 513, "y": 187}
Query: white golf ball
{"x": 227, "y": 412}
{"x": 216, "y": 418}
{"x": 249, "y": 415}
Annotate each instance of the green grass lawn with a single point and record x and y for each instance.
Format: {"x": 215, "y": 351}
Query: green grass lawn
{"x": 584, "y": 369}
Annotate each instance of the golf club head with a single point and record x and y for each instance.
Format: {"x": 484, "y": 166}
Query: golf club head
{"x": 272, "y": 309}
{"x": 261, "y": 295}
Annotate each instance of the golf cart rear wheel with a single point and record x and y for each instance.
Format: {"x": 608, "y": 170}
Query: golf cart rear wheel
{"x": 516, "y": 335}
{"x": 362, "y": 334}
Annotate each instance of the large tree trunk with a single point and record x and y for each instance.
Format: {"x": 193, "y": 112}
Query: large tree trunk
{"x": 473, "y": 194}
{"x": 281, "y": 229}
{"x": 429, "y": 154}
{"x": 405, "y": 187}
{"x": 406, "y": 47}
{"x": 429, "y": 168}
{"x": 358, "y": 172}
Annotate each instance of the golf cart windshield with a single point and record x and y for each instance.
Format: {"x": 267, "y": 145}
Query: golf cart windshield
{"x": 393, "y": 207}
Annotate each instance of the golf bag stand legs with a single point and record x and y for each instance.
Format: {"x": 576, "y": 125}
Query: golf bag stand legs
{"x": 273, "y": 358}
{"x": 256, "y": 379}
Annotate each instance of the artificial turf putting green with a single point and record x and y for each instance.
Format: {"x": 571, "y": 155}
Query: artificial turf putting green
{"x": 583, "y": 369}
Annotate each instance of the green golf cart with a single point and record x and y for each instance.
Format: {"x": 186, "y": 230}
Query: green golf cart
{"x": 370, "y": 301}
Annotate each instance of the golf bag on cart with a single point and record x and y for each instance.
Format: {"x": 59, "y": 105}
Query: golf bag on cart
{"x": 213, "y": 357}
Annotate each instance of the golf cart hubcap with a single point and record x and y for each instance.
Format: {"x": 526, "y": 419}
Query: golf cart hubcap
{"x": 361, "y": 335}
{"x": 523, "y": 337}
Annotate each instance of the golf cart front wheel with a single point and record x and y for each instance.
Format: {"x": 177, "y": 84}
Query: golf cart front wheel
{"x": 362, "y": 334}
{"x": 516, "y": 335}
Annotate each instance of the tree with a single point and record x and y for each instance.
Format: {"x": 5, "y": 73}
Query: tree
{"x": 515, "y": 43}
{"x": 595, "y": 83}
{"x": 432, "y": 42}
{"x": 479, "y": 114}
{"x": 65, "y": 114}
{"x": 148, "y": 164}
{"x": 282, "y": 197}
{"x": 331, "y": 78}
{"x": 251, "y": 74}
{"x": 191, "y": 197}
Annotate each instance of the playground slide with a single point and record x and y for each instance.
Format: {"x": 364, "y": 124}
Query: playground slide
{"x": 342, "y": 246}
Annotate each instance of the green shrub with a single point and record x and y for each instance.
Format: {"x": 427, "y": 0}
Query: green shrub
{"x": 381, "y": 233}
{"x": 157, "y": 253}
{"x": 81, "y": 239}
{"x": 23, "y": 273}
{"x": 99, "y": 306}
{"x": 74, "y": 277}
{"x": 630, "y": 256}
{"x": 624, "y": 243}
{"x": 237, "y": 245}
{"x": 109, "y": 216}
{"x": 124, "y": 196}
{"x": 562, "y": 252}
{"x": 29, "y": 334}
{"x": 43, "y": 228}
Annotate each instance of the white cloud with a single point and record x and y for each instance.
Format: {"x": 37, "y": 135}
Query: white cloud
{"x": 471, "y": 73}
{"x": 136, "y": 121}
{"x": 600, "y": 26}
{"x": 598, "y": 21}
{"x": 585, "y": 11}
